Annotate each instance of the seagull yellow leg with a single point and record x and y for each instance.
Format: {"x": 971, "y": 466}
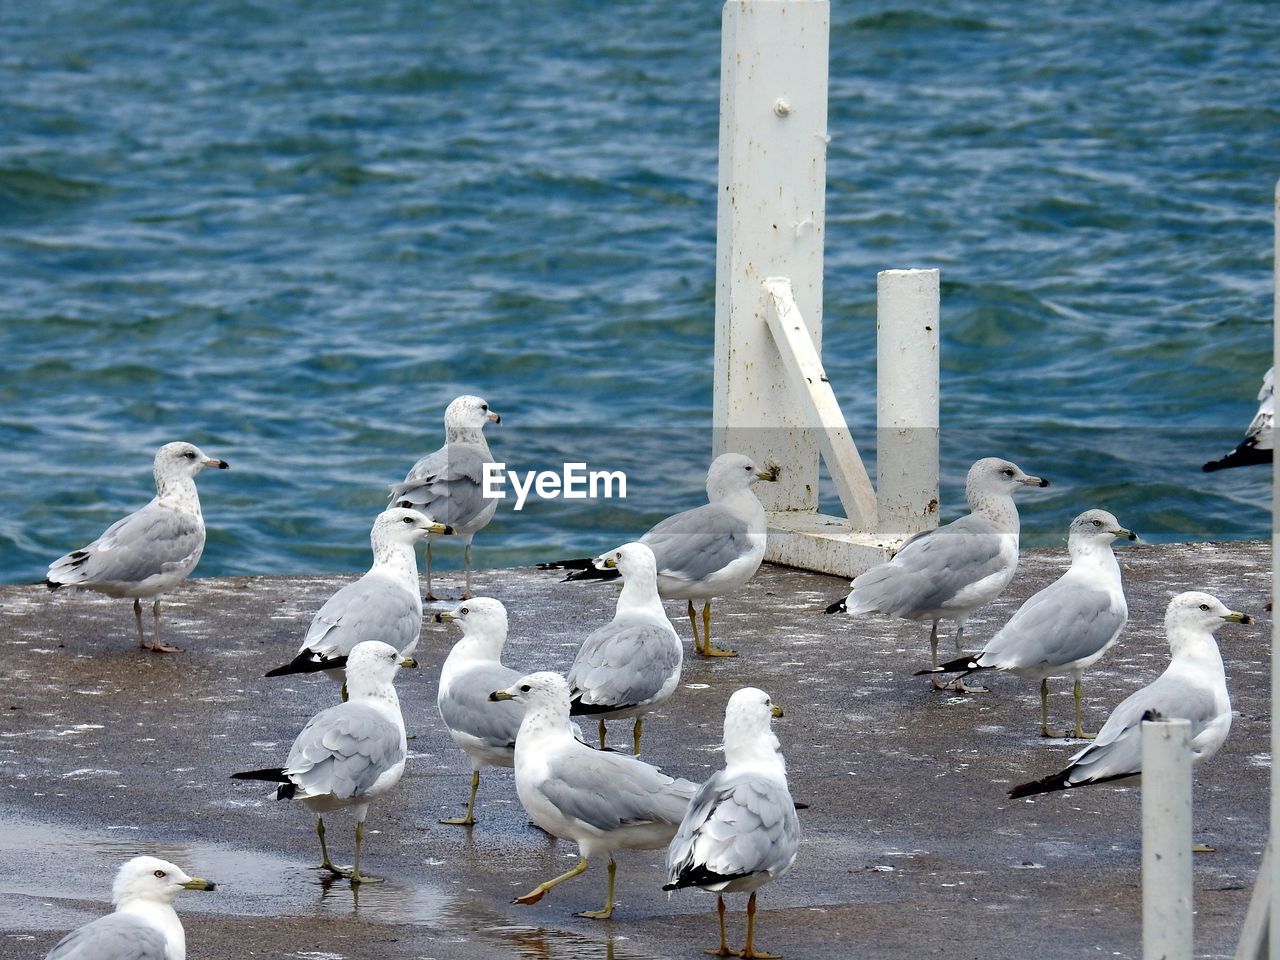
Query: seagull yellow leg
{"x": 1079, "y": 692}
{"x": 142, "y": 641}
{"x": 607, "y": 910}
{"x": 356, "y": 875}
{"x": 707, "y": 648}
{"x": 470, "y": 818}
{"x": 602, "y": 731}
{"x": 750, "y": 951}
{"x": 959, "y": 636}
{"x": 635, "y": 735}
{"x": 723, "y": 950}
{"x": 540, "y": 891}
{"x": 933, "y": 656}
{"x": 430, "y": 595}
{"x": 1044, "y": 712}
{"x": 325, "y": 862}
{"x": 466, "y": 562}
{"x": 156, "y": 645}
{"x": 693, "y": 622}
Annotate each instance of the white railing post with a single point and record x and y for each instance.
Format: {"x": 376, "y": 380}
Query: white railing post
{"x": 1272, "y": 864}
{"x": 1167, "y": 923}
{"x": 907, "y": 311}
{"x": 770, "y": 222}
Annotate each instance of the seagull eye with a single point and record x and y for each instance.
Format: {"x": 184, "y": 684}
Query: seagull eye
{"x": 160, "y": 874}
{"x": 618, "y": 555}
{"x": 484, "y": 406}
{"x": 189, "y": 455}
{"x": 1008, "y": 473}
{"x": 1204, "y": 606}
{"x": 1097, "y": 523}
{"x": 525, "y": 688}
{"x": 464, "y": 611}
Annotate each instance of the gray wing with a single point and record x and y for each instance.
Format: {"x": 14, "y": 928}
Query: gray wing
{"x": 734, "y": 827}
{"x": 153, "y": 541}
{"x": 627, "y": 661}
{"x": 343, "y": 750}
{"x": 116, "y": 936}
{"x": 465, "y": 705}
{"x": 697, "y": 543}
{"x": 610, "y": 790}
{"x": 930, "y": 569}
{"x": 1061, "y": 624}
{"x": 375, "y": 607}
{"x": 1117, "y": 751}
{"x": 446, "y": 484}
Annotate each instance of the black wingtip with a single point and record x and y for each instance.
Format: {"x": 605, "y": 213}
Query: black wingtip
{"x": 578, "y": 563}
{"x": 270, "y": 774}
{"x": 965, "y": 665}
{"x": 51, "y": 584}
{"x": 592, "y": 573}
{"x": 1055, "y": 781}
{"x": 840, "y": 606}
{"x": 1245, "y": 455}
{"x": 307, "y": 662}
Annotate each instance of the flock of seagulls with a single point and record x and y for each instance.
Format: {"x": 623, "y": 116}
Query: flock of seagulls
{"x": 736, "y": 831}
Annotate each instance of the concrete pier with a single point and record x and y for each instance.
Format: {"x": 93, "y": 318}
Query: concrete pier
{"x": 910, "y": 847}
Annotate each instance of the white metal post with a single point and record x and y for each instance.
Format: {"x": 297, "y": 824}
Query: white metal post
{"x": 907, "y": 310}
{"x": 1167, "y": 923}
{"x": 770, "y": 222}
{"x": 1272, "y": 863}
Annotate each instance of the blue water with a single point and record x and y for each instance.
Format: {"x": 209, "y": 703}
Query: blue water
{"x": 292, "y": 231}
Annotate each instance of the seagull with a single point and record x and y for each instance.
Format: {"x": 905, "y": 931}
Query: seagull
{"x": 350, "y": 754}
{"x": 947, "y": 573}
{"x": 706, "y": 552}
{"x": 152, "y": 550}
{"x": 1066, "y": 627}
{"x": 384, "y": 604}
{"x": 448, "y": 485}
{"x": 144, "y": 925}
{"x": 484, "y": 729}
{"x": 1193, "y": 687}
{"x": 602, "y": 801}
{"x": 1256, "y": 445}
{"x": 740, "y": 830}
{"x": 631, "y": 664}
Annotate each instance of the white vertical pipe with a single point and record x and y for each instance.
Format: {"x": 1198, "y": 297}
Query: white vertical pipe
{"x": 770, "y": 222}
{"x": 1167, "y": 928}
{"x": 1274, "y": 862}
{"x": 907, "y": 313}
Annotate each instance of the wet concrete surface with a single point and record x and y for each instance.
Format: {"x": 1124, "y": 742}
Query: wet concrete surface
{"x": 910, "y": 847}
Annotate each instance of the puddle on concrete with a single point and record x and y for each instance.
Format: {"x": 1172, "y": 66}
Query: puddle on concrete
{"x": 58, "y": 876}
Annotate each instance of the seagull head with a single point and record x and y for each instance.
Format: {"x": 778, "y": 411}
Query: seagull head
{"x": 372, "y": 666}
{"x": 632, "y": 560}
{"x": 403, "y": 525}
{"x": 748, "y": 736}
{"x": 467, "y": 414}
{"x": 992, "y": 475}
{"x": 1097, "y": 526}
{"x": 181, "y": 459}
{"x": 480, "y": 618}
{"x": 731, "y": 472}
{"x": 150, "y": 879}
{"x": 537, "y": 689}
{"x": 1198, "y": 614}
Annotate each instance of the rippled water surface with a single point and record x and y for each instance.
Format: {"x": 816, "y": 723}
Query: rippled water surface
{"x": 291, "y": 232}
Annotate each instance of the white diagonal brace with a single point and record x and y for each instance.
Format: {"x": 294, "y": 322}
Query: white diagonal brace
{"x": 809, "y": 382}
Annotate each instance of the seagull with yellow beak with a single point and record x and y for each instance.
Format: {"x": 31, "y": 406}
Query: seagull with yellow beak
{"x": 600, "y": 800}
